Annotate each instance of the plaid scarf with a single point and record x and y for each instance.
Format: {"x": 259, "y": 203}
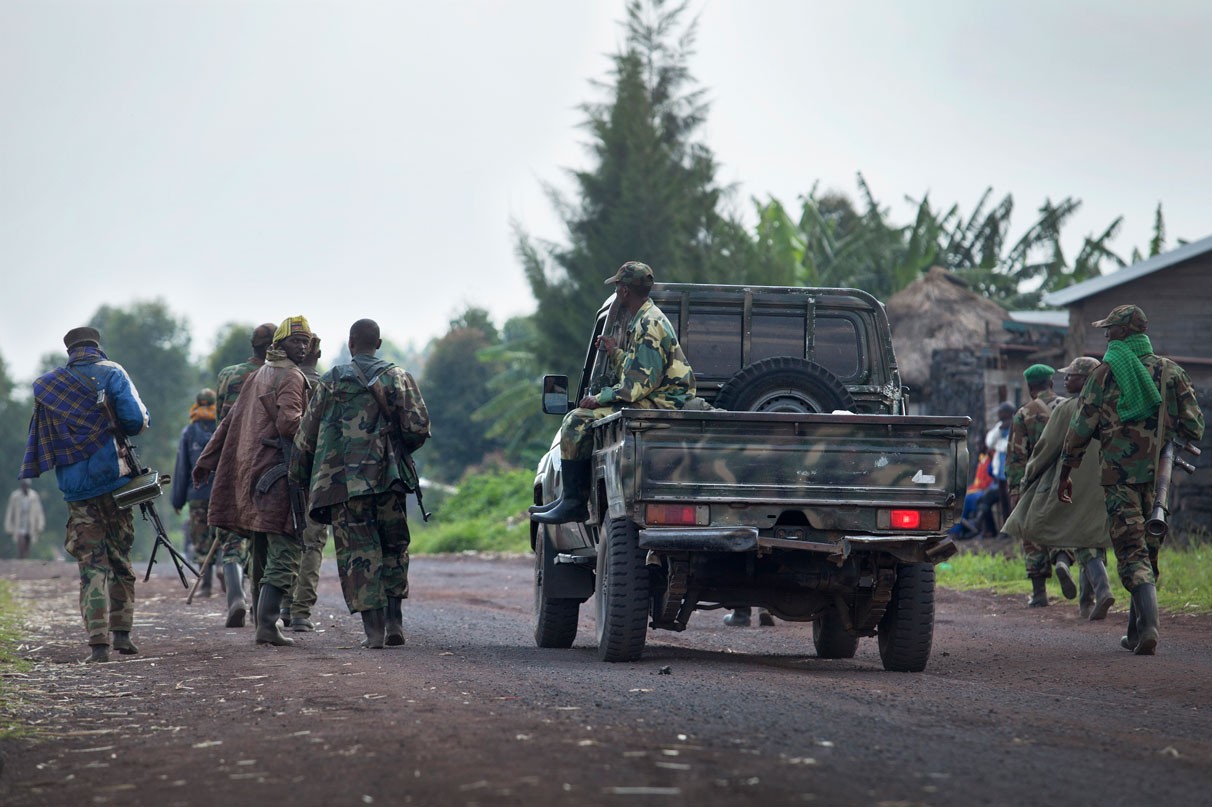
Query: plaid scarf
{"x": 1138, "y": 396}
{"x": 67, "y": 426}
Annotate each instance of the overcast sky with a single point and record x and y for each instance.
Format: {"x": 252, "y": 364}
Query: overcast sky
{"x": 247, "y": 161}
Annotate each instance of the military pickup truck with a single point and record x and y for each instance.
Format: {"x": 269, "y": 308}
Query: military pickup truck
{"x": 801, "y": 485}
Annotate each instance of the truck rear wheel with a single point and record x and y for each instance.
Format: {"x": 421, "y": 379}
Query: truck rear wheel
{"x": 784, "y": 384}
{"x": 830, "y": 637}
{"x": 622, "y": 596}
{"x": 906, "y": 630}
{"x": 555, "y": 618}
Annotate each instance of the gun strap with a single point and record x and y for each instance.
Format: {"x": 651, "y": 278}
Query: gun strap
{"x": 372, "y": 386}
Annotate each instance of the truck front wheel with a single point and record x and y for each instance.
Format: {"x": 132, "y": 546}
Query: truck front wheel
{"x": 622, "y": 595}
{"x": 906, "y": 630}
{"x": 830, "y": 638}
{"x": 555, "y": 618}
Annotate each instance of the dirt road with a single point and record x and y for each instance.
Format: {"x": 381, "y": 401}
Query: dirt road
{"x": 1016, "y": 707}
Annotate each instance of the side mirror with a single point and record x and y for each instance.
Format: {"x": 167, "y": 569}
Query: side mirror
{"x": 555, "y": 395}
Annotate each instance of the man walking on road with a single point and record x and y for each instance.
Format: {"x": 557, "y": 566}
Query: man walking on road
{"x": 1133, "y": 402}
{"x": 72, "y": 432}
{"x": 351, "y": 455}
{"x": 24, "y": 519}
{"x": 194, "y": 438}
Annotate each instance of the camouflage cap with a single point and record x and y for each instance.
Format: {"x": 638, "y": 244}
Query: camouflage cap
{"x": 1082, "y": 365}
{"x": 263, "y": 334}
{"x": 1038, "y": 372}
{"x": 206, "y": 397}
{"x": 632, "y": 273}
{"x": 78, "y": 336}
{"x": 1129, "y": 316}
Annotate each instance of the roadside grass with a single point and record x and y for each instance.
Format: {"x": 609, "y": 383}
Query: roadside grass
{"x": 486, "y": 514}
{"x": 1186, "y": 576}
{"x": 12, "y": 666}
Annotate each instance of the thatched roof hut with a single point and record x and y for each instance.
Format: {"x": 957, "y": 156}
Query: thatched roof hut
{"x": 938, "y": 310}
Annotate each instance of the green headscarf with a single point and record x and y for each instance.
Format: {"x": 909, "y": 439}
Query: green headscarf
{"x": 1139, "y": 397}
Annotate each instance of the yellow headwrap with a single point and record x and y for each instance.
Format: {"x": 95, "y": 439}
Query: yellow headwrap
{"x": 291, "y": 326}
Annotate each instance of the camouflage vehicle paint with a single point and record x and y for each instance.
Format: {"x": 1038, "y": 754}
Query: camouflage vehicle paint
{"x": 790, "y": 509}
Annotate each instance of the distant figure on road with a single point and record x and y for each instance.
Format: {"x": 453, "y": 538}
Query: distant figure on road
{"x": 24, "y": 519}
{"x": 194, "y": 438}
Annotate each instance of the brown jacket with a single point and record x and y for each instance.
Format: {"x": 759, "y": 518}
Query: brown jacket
{"x": 270, "y": 406}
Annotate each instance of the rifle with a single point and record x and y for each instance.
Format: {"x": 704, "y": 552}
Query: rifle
{"x": 298, "y": 502}
{"x": 1156, "y": 526}
{"x": 143, "y": 488}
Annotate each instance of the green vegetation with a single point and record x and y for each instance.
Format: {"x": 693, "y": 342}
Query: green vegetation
{"x": 488, "y": 513}
{"x": 10, "y": 662}
{"x": 1186, "y": 581}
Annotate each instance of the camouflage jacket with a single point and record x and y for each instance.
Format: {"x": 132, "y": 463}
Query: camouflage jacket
{"x": 231, "y": 381}
{"x": 1129, "y": 450}
{"x": 1026, "y": 427}
{"x": 343, "y": 448}
{"x": 650, "y": 364}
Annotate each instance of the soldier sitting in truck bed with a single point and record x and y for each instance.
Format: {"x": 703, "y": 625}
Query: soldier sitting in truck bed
{"x": 652, "y": 374}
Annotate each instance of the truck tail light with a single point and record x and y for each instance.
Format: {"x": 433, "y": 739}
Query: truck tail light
{"x": 909, "y": 519}
{"x": 681, "y": 515}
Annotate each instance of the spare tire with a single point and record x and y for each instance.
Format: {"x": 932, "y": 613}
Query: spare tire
{"x": 784, "y": 384}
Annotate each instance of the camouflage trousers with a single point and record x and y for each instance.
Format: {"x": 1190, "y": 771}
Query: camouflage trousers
{"x": 371, "y": 536}
{"x": 275, "y": 560}
{"x": 576, "y": 443}
{"x": 233, "y": 547}
{"x": 99, "y": 537}
{"x": 1136, "y": 552}
{"x": 1087, "y": 554}
{"x": 1039, "y": 560}
{"x": 302, "y": 598}
{"x": 201, "y": 534}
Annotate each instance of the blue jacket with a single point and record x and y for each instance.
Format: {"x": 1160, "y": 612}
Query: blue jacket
{"x": 100, "y": 473}
{"x": 194, "y": 438}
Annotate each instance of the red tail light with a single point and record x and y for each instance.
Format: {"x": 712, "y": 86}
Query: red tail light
{"x": 906, "y": 519}
{"x": 681, "y": 515}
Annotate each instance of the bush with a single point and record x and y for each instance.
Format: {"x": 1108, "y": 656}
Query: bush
{"x": 486, "y": 514}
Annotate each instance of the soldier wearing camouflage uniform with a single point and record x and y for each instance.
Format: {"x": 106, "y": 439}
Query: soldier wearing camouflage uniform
{"x": 234, "y": 543}
{"x": 73, "y": 434}
{"x": 298, "y": 602}
{"x": 1025, "y": 429}
{"x": 652, "y": 373}
{"x": 350, "y": 455}
{"x": 247, "y": 456}
{"x": 1133, "y": 402}
{"x": 194, "y": 438}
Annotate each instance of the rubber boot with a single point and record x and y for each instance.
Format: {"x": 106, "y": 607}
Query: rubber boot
{"x": 1145, "y": 598}
{"x": 765, "y": 619}
{"x": 301, "y": 624}
{"x": 573, "y": 498}
{"x": 1128, "y": 642}
{"x": 99, "y": 653}
{"x": 1039, "y": 593}
{"x": 394, "y": 632}
{"x": 1085, "y": 599}
{"x": 208, "y": 573}
{"x": 739, "y": 618}
{"x": 1101, "y": 583}
{"x": 236, "y": 608}
{"x": 284, "y": 615}
{"x": 269, "y": 600}
{"x": 374, "y": 623}
{"x": 123, "y": 644}
{"x": 1064, "y": 577}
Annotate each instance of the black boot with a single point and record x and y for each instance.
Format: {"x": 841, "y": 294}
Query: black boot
{"x": 99, "y": 653}
{"x": 374, "y": 623}
{"x": 235, "y": 595}
{"x": 1064, "y": 577}
{"x": 1128, "y": 641}
{"x": 1144, "y": 597}
{"x": 394, "y": 632}
{"x": 123, "y": 644}
{"x": 269, "y": 600}
{"x": 208, "y": 573}
{"x": 739, "y": 618}
{"x": 1039, "y": 593}
{"x": 1085, "y": 596}
{"x": 1103, "y": 599}
{"x": 574, "y": 496}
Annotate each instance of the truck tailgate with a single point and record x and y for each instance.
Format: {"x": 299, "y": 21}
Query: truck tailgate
{"x": 802, "y": 459}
